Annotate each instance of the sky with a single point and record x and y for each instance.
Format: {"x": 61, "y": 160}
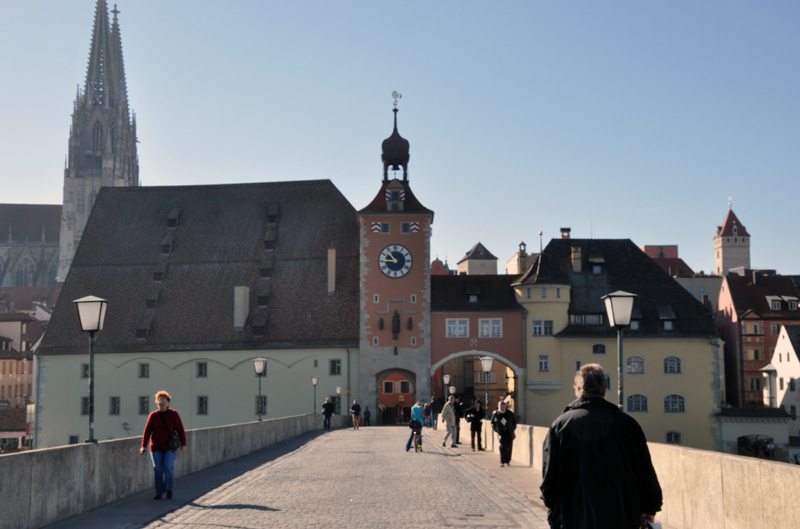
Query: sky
{"x": 618, "y": 119}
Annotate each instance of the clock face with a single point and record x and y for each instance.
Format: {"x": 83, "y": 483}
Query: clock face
{"x": 395, "y": 260}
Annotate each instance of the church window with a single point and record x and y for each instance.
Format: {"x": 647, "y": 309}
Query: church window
{"x": 97, "y": 136}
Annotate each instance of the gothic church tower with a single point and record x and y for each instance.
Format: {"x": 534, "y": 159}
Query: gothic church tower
{"x": 102, "y": 140}
{"x": 395, "y": 279}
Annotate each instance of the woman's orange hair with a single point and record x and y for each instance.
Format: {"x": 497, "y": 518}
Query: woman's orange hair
{"x": 165, "y": 395}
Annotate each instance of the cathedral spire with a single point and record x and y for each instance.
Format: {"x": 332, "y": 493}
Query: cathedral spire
{"x": 98, "y": 72}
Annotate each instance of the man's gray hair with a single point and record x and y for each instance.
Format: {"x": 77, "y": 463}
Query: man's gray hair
{"x": 590, "y": 381}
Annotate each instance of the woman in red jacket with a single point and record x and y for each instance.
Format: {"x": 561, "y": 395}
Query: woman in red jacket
{"x": 161, "y": 424}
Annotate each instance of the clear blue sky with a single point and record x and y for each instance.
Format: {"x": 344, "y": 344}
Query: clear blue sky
{"x": 619, "y": 119}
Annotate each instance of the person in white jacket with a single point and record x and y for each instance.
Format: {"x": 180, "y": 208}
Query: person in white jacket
{"x": 449, "y": 419}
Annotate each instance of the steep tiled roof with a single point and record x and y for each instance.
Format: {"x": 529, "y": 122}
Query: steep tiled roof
{"x": 451, "y": 293}
{"x": 674, "y": 266}
{"x": 478, "y": 251}
{"x": 726, "y": 230}
{"x": 12, "y": 419}
{"x": 623, "y": 267}
{"x": 753, "y": 413}
{"x": 26, "y": 221}
{"x": 750, "y": 293}
{"x": 219, "y": 241}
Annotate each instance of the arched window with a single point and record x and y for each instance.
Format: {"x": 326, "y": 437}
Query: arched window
{"x": 672, "y": 365}
{"x": 674, "y": 404}
{"x": 637, "y": 403}
{"x": 97, "y": 136}
{"x": 635, "y": 365}
{"x": 26, "y": 271}
{"x": 674, "y": 438}
{"x": 598, "y": 349}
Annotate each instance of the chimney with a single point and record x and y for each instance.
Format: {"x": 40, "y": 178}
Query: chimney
{"x": 241, "y": 307}
{"x": 565, "y": 233}
{"x": 577, "y": 258}
{"x": 331, "y": 271}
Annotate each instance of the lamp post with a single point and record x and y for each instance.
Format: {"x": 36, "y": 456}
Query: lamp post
{"x": 314, "y": 382}
{"x": 446, "y": 379}
{"x": 339, "y": 399}
{"x": 260, "y": 366}
{"x": 619, "y": 306}
{"x": 452, "y": 390}
{"x": 487, "y": 362}
{"x": 92, "y": 313}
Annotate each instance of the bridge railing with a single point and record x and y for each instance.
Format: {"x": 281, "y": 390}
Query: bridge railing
{"x": 701, "y": 488}
{"x": 41, "y": 487}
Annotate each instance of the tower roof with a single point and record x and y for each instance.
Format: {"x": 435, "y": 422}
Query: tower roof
{"x": 394, "y": 152}
{"x": 728, "y": 225}
{"x": 478, "y": 251}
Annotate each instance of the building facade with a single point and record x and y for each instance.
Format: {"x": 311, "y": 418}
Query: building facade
{"x": 753, "y": 307}
{"x": 672, "y": 360}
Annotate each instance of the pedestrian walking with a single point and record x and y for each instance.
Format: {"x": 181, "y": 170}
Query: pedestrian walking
{"x": 596, "y": 466}
{"x": 435, "y": 411}
{"x": 416, "y": 415}
{"x": 426, "y": 414}
{"x": 164, "y": 430}
{"x": 504, "y": 423}
{"x": 449, "y": 420}
{"x": 474, "y": 416}
{"x": 327, "y": 411}
{"x": 459, "y": 408}
{"x": 355, "y": 410}
{"x": 367, "y": 415}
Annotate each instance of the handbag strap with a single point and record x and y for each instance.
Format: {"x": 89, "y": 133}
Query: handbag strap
{"x": 165, "y": 422}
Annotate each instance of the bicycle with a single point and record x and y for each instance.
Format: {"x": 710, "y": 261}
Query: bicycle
{"x": 416, "y": 427}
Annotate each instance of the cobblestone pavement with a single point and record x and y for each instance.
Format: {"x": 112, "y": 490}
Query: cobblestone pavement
{"x": 366, "y": 479}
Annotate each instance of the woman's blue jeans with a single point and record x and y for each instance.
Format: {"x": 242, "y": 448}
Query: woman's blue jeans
{"x": 164, "y": 468}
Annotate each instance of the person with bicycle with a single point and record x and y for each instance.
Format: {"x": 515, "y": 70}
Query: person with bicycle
{"x": 355, "y": 409}
{"x": 416, "y": 417}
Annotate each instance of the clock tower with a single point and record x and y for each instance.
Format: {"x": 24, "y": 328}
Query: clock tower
{"x": 395, "y": 336}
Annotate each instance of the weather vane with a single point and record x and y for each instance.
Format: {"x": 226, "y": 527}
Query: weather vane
{"x": 396, "y": 95}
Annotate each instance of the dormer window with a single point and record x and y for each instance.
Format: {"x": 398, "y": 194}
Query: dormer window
{"x": 668, "y": 325}
{"x": 272, "y": 220}
{"x": 172, "y": 218}
{"x": 793, "y": 305}
{"x": 597, "y": 270}
{"x": 158, "y": 277}
{"x": 776, "y": 305}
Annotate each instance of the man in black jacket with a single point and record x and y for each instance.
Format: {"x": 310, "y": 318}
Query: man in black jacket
{"x": 595, "y": 463}
{"x": 474, "y": 417}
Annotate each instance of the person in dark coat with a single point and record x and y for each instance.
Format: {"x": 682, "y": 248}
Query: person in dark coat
{"x": 459, "y": 409}
{"x": 327, "y": 411}
{"x": 595, "y": 463}
{"x": 504, "y": 423}
{"x": 158, "y": 430}
{"x": 474, "y": 416}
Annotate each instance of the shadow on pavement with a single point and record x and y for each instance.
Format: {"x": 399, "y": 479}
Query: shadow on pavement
{"x": 140, "y": 509}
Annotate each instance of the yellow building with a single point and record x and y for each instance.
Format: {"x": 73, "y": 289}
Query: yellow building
{"x": 672, "y": 359}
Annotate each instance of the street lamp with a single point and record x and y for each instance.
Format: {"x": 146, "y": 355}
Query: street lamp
{"x": 487, "y": 362}
{"x": 446, "y": 379}
{"x": 314, "y": 382}
{"x": 339, "y": 399}
{"x": 260, "y": 365}
{"x": 92, "y": 313}
{"x": 619, "y": 306}
{"x": 452, "y": 390}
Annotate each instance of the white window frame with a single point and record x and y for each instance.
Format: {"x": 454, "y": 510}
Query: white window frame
{"x": 457, "y": 328}
{"x": 490, "y": 328}
{"x": 544, "y": 363}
